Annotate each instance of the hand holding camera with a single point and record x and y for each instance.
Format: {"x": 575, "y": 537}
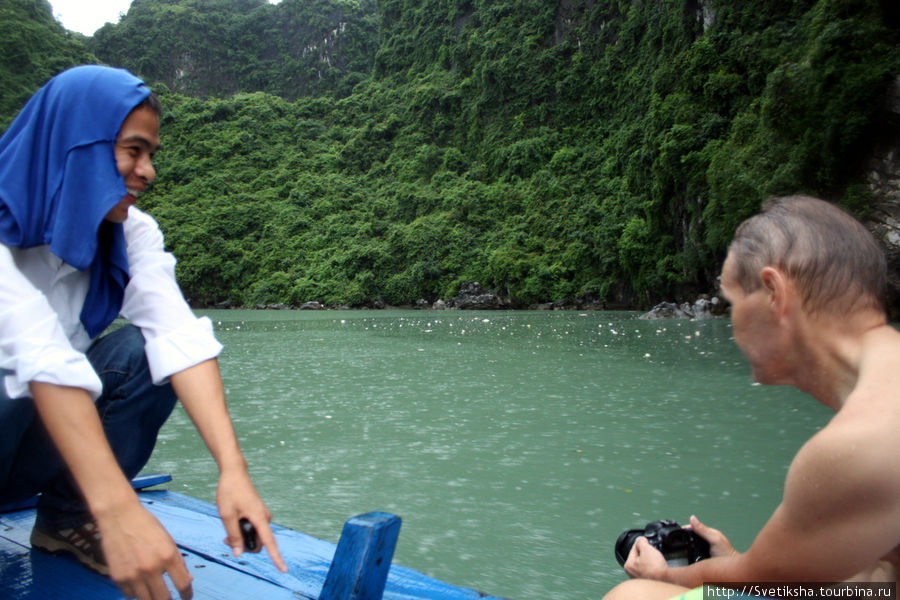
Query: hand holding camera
{"x": 679, "y": 546}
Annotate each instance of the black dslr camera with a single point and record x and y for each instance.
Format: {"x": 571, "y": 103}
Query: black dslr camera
{"x": 680, "y": 546}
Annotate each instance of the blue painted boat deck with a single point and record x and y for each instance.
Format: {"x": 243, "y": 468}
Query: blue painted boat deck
{"x": 30, "y": 574}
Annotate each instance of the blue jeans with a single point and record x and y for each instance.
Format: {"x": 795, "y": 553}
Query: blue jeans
{"x": 132, "y": 410}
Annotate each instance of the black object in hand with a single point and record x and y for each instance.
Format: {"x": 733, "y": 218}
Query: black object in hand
{"x": 680, "y": 546}
{"x": 248, "y": 532}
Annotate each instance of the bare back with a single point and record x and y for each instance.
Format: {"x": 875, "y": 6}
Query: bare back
{"x": 842, "y": 493}
{"x": 872, "y": 415}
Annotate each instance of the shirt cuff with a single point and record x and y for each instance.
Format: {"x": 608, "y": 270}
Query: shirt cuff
{"x": 182, "y": 348}
{"x": 68, "y": 368}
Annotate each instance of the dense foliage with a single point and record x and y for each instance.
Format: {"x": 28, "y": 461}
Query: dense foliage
{"x": 32, "y": 50}
{"x": 549, "y": 150}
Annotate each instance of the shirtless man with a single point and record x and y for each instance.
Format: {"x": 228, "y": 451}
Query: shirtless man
{"x": 806, "y": 284}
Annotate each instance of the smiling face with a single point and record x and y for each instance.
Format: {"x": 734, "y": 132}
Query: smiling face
{"x": 136, "y": 145}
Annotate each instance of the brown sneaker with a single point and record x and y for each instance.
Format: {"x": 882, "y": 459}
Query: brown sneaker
{"x": 83, "y": 542}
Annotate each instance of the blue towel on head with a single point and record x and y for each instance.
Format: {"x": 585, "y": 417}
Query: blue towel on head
{"x": 58, "y": 179}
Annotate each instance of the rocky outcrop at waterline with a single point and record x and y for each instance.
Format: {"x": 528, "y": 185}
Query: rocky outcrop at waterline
{"x": 702, "y": 308}
{"x": 472, "y": 296}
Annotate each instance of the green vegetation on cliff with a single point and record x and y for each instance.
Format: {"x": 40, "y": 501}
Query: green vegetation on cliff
{"x": 549, "y": 150}
{"x": 34, "y": 48}
{"x": 220, "y": 47}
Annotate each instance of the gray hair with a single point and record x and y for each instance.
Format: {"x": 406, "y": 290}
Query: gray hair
{"x": 833, "y": 260}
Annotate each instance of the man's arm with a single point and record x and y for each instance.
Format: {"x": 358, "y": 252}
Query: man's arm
{"x": 839, "y": 515}
{"x": 182, "y": 348}
{"x": 201, "y": 392}
{"x": 137, "y": 548}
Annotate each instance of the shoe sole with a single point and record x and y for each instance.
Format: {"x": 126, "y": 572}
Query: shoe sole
{"x": 51, "y": 545}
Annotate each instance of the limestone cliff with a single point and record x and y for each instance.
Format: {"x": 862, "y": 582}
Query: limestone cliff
{"x": 883, "y": 180}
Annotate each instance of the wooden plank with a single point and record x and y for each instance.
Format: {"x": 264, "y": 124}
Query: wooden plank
{"x": 308, "y": 558}
{"x": 363, "y": 557}
{"x": 142, "y": 482}
{"x": 26, "y": 574}
{"x": 30, "y": 574}
{"x": 197, "y": 529}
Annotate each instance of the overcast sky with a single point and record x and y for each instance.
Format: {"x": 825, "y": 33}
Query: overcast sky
{"x": 87, "y": 16}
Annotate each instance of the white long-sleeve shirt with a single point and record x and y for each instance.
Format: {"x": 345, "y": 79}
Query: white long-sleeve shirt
{"x": 41, "y": 335}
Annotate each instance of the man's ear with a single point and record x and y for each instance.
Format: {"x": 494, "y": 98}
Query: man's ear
{"x": 779, "y": 288}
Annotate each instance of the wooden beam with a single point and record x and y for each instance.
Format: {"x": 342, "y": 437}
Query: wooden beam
{"x": 141, "y": 482}
{"x": 363, "y": 557}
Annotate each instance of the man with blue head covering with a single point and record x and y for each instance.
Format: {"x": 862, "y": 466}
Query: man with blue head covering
{"x": 80, "y": 411}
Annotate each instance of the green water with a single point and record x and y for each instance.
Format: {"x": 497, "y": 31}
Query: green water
{"x": 516, "y": 446}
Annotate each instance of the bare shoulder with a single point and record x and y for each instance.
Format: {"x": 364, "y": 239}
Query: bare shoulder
{"x": 846, "y": 476}
{"x": 850, "y": 466}
{"x": 842, "y": 493}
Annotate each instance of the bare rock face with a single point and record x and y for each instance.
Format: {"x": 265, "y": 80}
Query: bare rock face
{"x": 473, "y": 297}
{"x": 702, "y": 308}
{"x": 883, "y": 179}
{"x": 884, "y": 220}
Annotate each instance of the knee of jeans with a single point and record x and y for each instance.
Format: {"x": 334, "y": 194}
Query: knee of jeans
{"x": 129, "y": 337}
{"x": 120, "y": 352}
{"x": 121, "y": 362}
{"x": 16, "y": 416}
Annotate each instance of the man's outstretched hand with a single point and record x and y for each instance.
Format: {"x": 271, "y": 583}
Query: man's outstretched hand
{"x": 138, "y": 551}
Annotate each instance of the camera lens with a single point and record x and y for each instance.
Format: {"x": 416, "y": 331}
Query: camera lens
{"x": 624, "y": 544}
